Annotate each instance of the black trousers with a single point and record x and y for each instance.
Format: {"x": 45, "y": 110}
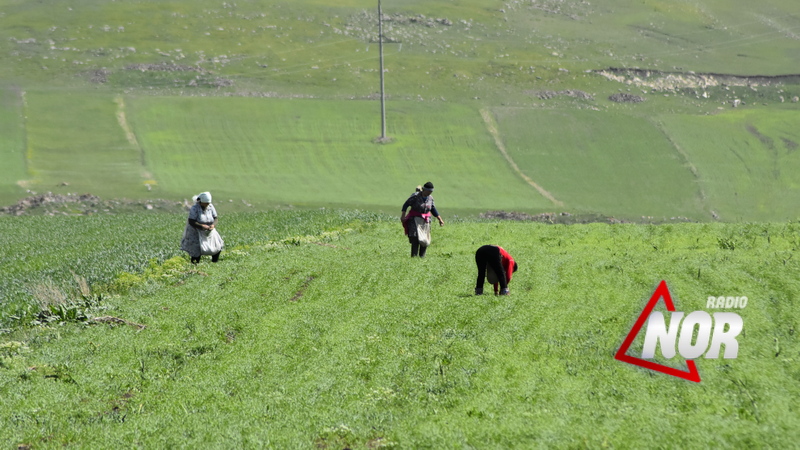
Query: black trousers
{"x": 214, "y": 258}
{"x": 417, "y": 249}
{"x": 489, "y": 256}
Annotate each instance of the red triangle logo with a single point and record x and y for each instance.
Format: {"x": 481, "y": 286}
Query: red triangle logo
{"x": 661, "y": 292}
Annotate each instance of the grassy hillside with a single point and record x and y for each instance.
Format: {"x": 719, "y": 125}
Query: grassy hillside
{"x": 748, "y": 169}
{"x": 581, "y": 155}
{"x": 339, "y": 340}
{"x": 75, "y": 138}
{"x": 316, "y": 330}
{"x": 317, "y": 152}
{"x": 709, "y": 36}
{"x": 83, "y": 68}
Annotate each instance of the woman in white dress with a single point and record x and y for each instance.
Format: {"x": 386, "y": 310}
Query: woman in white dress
{"x": 202, "y": 220}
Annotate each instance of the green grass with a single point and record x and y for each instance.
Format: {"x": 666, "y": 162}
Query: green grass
{"x": 345, "y": 342}
{"x": 709, "y": 36}
{"x": 746, "y": 161}
{"x": 316, "y": 330}
{"x": 315, "y": 152}
{"x": 11, "y": 145}
{"x": 75, "y": 137}
{"x": 579, "y": 157}
{"x": 98, "y": 248}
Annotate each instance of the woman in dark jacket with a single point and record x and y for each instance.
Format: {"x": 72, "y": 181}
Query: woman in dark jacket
{"x": 422, "y": 207}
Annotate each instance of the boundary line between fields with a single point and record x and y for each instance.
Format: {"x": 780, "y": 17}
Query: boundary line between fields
{"x": 492, "y": 127}
{"x": 687, "y": 162}
{"x": 129, "y": 134}
{"x": 26, "y": 152}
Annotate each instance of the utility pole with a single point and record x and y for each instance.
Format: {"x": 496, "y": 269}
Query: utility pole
{"x": 380, "y": 50}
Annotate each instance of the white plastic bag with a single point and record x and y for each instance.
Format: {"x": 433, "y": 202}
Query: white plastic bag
{"x": 423, "y": 231}
{"x": 210, "y": 242}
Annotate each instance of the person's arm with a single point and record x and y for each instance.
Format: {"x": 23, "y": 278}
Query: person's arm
{"x": 200, "y": 226}
{"x": 214, "y": 215}
{"x": 406, "y": 205}
{"x": 436, "y": 214}
{"x": 193, "y": 216}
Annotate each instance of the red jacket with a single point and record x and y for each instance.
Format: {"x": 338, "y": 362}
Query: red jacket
{"x": 507, "y": 261}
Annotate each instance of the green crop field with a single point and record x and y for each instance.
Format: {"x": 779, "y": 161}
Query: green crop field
{"x": 320, "y": 152}
{"x": 75, "y": 138}
{"x": 580, "y": 155}
{"x": 339, "y": 340}
{"x": 748, "y": 169}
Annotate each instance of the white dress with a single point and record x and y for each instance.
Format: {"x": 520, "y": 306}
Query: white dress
{"x": 191, "y": 235}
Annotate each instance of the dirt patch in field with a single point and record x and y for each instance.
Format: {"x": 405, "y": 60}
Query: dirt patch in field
{"x": 626, "y": 98}
{"x": 111, "y": 320}
{"x": 790, "y": 144}
{"x": 164, "y": 67}
{"x": 574, "y": 93}
{"x": 565, "y": 218}
{"x": 50, "y": 204}
{"x": 766, "y": 140}
{"x": 670, "y": 81}
{"x": 302, "y": 289}
{"x": 549, "y": 217}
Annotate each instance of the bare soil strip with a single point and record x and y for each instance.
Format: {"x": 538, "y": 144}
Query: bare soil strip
{"x": 492, "y": 127}
{"x": 123, "y": 122}
{"x": 129, "y": 134}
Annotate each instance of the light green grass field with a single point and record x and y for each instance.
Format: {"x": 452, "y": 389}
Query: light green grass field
{"x": 747, "y": 162}
{"x": 316, "y": 152}
{"x": 75, "y": 137}
{"x": 582, "y": 159}
{"x": 709, "y": 36}
{"x": 12, "y": 146}
{"x": 342, "y": 341}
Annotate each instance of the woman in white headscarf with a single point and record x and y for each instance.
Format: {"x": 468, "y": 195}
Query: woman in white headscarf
{"x": 201, "y": 226}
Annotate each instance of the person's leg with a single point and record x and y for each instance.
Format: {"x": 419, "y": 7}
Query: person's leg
{"x": 412, "y": 237}
{"x": 215, "y": 256}
{"x": 481, "y": 261}
{"x": 195, "y": 259}
{"x": 422, "y": 250}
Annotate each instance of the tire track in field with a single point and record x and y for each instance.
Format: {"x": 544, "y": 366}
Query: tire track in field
{"x": 688, "y": 163}
{"x": 130, "y": 136}
{"x": 492, "y": 127}
{"x": 28, "y": 153}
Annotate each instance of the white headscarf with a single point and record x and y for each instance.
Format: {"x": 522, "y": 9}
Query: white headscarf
{"x": 204, "y": 197}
